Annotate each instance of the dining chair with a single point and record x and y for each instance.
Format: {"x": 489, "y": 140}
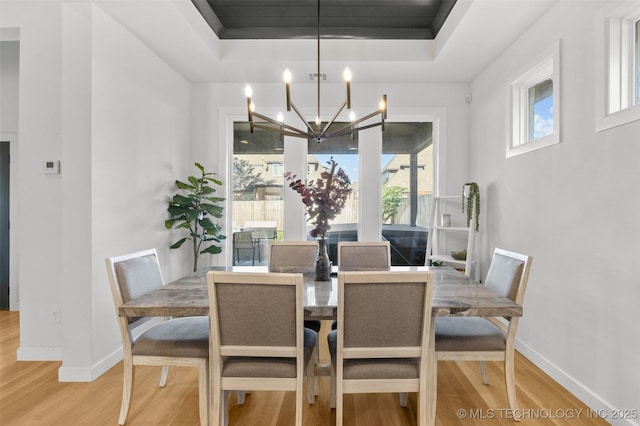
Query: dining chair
{"x": 299, "y": 257}
{"x": 488, "y": 339}
{"x": 292, "y": 256}
{"x": 257, "y": 338}
{"x": 359, "y": 256}
{"x": 181, "y": 342}
{"x": 382, "y": 340}
{"x": 243, "y": 240}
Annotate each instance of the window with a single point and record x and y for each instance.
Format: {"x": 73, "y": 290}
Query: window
{"x": 535, "y": 101}
{"x": 637, "y": 52}
{"x": 407, "y": 187}
{"x": 618, "y": 69}
{"x": 257, "y": 178}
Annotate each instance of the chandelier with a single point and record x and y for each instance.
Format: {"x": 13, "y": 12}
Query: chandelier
{"x": 319, "y": 132}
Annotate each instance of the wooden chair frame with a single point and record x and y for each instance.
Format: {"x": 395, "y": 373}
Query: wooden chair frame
{"x": 219, "y": 384}
{"x": 130, "y": 360}
{"x": 418, "y": 384}
{"x": 508, "y": 327}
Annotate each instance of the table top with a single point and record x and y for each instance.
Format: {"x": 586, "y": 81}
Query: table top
{"x": 454, "y": 294}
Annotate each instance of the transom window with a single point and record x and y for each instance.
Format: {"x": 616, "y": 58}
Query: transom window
{"x": 618, "y": 65}
{"x": 535, "y": 100}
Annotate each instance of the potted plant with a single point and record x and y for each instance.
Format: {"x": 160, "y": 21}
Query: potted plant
{"x": 471, "y": 202}
{"x": 192, "y": 210}
{"x": 325, "y": 198}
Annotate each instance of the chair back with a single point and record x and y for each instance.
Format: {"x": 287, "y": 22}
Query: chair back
{"x": 508, "y": 274}
{"x": 384, "y": 314}
{"x": 354, "y": 255}
{"x": 243, "y": 240}
{"x": 255, "y": 309}
{"x": 133, "y": 275}
{"x": 292, "y": 256}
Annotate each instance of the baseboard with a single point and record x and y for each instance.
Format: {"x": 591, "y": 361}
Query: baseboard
{"x": 89, "y": 374}
{"x": 39, "y": 354}
{"x": 576, "y": 388}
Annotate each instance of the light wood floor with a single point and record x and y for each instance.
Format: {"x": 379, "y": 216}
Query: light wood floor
{"x": 31, "y": 395}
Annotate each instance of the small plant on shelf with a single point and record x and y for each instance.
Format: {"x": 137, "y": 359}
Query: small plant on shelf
{"x": 471, "y": 202}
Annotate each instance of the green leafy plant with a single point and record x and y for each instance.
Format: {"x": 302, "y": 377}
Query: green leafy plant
{"x": 471, "y": 202}
{"x": 325, "y": 198}
{"x": 192, "y": 210}
{"x": 391, "y": 201}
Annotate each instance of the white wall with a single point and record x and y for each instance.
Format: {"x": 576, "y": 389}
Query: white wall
{"x": 38, "y": 226}
{"x": 573, "y": 208}
{"x": 118, "y": 118}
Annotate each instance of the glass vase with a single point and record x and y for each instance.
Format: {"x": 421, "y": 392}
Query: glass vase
{"x": 323, "y": 264}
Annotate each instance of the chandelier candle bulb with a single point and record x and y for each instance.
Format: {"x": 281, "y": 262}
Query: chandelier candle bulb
{"x": 248, "y": 92}
{"x": 347, "y": 77}
{"x": 287, "y": 85}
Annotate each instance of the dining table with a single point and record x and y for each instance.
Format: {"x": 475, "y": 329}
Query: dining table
{"x": 454, "y": 294}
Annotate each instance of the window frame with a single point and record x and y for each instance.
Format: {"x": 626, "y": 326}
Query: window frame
{"x": 546, "y": 67}
{"x": 618, "y": 68}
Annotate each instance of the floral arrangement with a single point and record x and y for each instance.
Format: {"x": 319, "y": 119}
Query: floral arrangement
{"x": 325, "y": 198}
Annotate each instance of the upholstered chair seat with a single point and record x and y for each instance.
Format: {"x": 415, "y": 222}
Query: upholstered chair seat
{"x": 179, "y": 337}
{"x": 464, "y": 334}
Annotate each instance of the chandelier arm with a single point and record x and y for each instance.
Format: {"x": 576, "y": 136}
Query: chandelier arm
{"x": 283, "y": 132}
{"x": 311, "y": 129}
{"x": 351, "y": 130}
{"x": 334, "y": 117}
{"x": 366, "y": 117}
{"x": 277, "y": 123}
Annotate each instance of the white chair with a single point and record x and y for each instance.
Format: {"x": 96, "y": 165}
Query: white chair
{"x": 257, "y": 338}
{"x": 488, "y": 339}
{"x": 181, "y": 342}
{"x": 382, "y": 340}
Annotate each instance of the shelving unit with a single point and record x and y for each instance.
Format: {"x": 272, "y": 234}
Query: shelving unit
{"x": 438, "y": 248}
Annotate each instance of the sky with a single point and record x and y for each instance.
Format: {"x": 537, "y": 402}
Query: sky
{"x": 349, "y": 162}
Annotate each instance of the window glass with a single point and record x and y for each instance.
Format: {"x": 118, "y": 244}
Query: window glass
{"x": 407, "y": 186}
{"x": 257, "y": 207}
{"x": 637, "y": 63}
{"x": 344, "y": 151}
{"x": 541, "y": 110}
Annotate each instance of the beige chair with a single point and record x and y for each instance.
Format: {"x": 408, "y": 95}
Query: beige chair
{"x": 299, "y": 257}
{"x": 488, "y": 339}
{"x": 257, "y": 338}
{"x": 360, "y": 256}
{"x": 181, "y": 342}
{"x": 292, "y": 256}
{"x": 382, "y": 340}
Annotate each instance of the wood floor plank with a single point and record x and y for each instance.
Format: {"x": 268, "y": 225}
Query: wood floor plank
{"x": 30, "y": 394}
